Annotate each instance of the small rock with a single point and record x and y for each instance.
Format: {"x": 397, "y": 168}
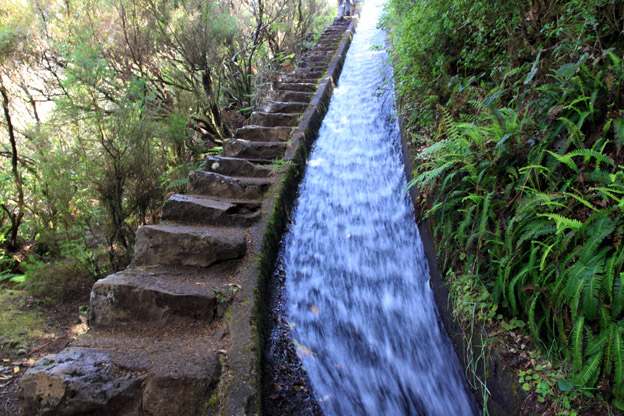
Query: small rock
{"x": 21, "y": 352}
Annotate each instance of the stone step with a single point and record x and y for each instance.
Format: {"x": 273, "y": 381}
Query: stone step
{"x": 297, "y": 86}
{"x": 185, "y": 245}
{"x": 157, "y": 296}
{"x": 237, "y": 167}
{"x": 318, "y": 55}
{"x": 153, "y": 372}
{"x": 306, "y": 76}
{"x": 268, "y": 134}
{"x": 315, "y": 62}
{"x": 191, "y": 209}
{"x": 264, "y": 119}
{"x": 287, "y": 107}
{"x": 298, "y": 96}
{"x": 259, "y": 151}
{"x": 221, "y": 186}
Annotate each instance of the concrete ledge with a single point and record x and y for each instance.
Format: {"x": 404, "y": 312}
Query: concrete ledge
{"x": 246, "y": 341}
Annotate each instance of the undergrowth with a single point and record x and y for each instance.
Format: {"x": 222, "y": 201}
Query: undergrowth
{"x": 517, "y": 108}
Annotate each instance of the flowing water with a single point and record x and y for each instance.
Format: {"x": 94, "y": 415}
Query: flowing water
{"x": 357, "y": 281}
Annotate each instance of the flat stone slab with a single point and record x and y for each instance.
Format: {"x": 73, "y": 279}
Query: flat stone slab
{"x": 260, "y": 151}
{"x": 297, "y": 86}
{"x": 287, "y": 107}
{"x": 231, "y": 166}
{"x": 264, "y": 134}
{"x": 187, "y": 245}
{"x": 148, "y": 296}
{"x": 221, "y": 186}
{"x": 299, "y": 96}
{"x": 113, "y": 373}
{"x": 264, "y": 119}
{"x": 191, "y": 209}
{"x": 306, "y": 75}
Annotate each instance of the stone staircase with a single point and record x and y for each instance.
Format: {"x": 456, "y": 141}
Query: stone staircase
{"x": 175, "y": 333}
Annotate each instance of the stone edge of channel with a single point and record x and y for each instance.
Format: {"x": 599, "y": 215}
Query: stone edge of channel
{"x": 505, "y": 396}
{"x": 247, "y": 324}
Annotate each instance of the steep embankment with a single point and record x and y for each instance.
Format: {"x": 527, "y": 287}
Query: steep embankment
{"x": 514, "y": 113}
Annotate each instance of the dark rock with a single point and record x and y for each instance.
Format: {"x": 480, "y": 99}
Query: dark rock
{"x": 78, "y": 381}
{"x": 287, "y": 107}
{"x": 260, "y": 118}
{"x": 264, "y": 134}
{"x": 265, "y": 151}
{"x": 237, "y": 167}
{"x": 203, "y": 210}
{"x": 158, "y": 298}
{"x": 183, "y": 245}
{"x": 297, "y": 86}
{"x": 299, "y": 96}
{"x": 220, "y": 186}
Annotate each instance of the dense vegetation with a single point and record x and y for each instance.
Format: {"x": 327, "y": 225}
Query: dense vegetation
{"x": 107, "y": 104}
{"x": 517, "y": 108}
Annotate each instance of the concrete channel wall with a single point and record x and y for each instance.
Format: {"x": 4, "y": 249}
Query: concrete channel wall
{"x": 492, "y": 385}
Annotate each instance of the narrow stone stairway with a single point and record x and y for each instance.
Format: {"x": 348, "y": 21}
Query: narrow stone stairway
{"x": 173, "y": 334}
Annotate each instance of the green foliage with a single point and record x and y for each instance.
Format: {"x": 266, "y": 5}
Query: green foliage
{"x": 522, "y": 167}
{"x": 113, "y": 103}
{"x": 68, "y": 273}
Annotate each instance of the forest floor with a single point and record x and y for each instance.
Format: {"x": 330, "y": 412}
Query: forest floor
{"x": 31, "y": 328}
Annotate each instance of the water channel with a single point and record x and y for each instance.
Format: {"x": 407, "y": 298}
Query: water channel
{"x": 357, "y": 283}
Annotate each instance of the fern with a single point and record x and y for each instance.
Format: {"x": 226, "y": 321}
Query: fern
{"x": 563, "y": 223}
{"x": 576, "y": 343}
{"x": 580, "y": 285}
{"x": 590, "y": 369}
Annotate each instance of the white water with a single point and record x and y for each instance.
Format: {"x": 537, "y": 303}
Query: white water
{"x": 358, "y": 295}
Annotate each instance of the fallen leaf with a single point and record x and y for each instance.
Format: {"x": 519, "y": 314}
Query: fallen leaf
{"x": 16, "y": 370}
{"x": 315, "y": 309}
{"x": 5, "y": 360}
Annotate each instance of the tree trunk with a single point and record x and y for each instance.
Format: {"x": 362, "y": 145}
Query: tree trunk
{"x": 16, "y": 215}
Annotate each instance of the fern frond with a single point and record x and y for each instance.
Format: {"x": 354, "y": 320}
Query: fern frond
{"x": 576, "y": 343}
{"x": 563, "y": 223}
{"x": 566, "y": 160}
{"x": 590, "y": 369}
{"x": 617, "y": 354}
{"x": 617, "y": 304}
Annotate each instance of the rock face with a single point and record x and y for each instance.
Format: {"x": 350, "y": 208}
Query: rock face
{"x": 160, "y": 330}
